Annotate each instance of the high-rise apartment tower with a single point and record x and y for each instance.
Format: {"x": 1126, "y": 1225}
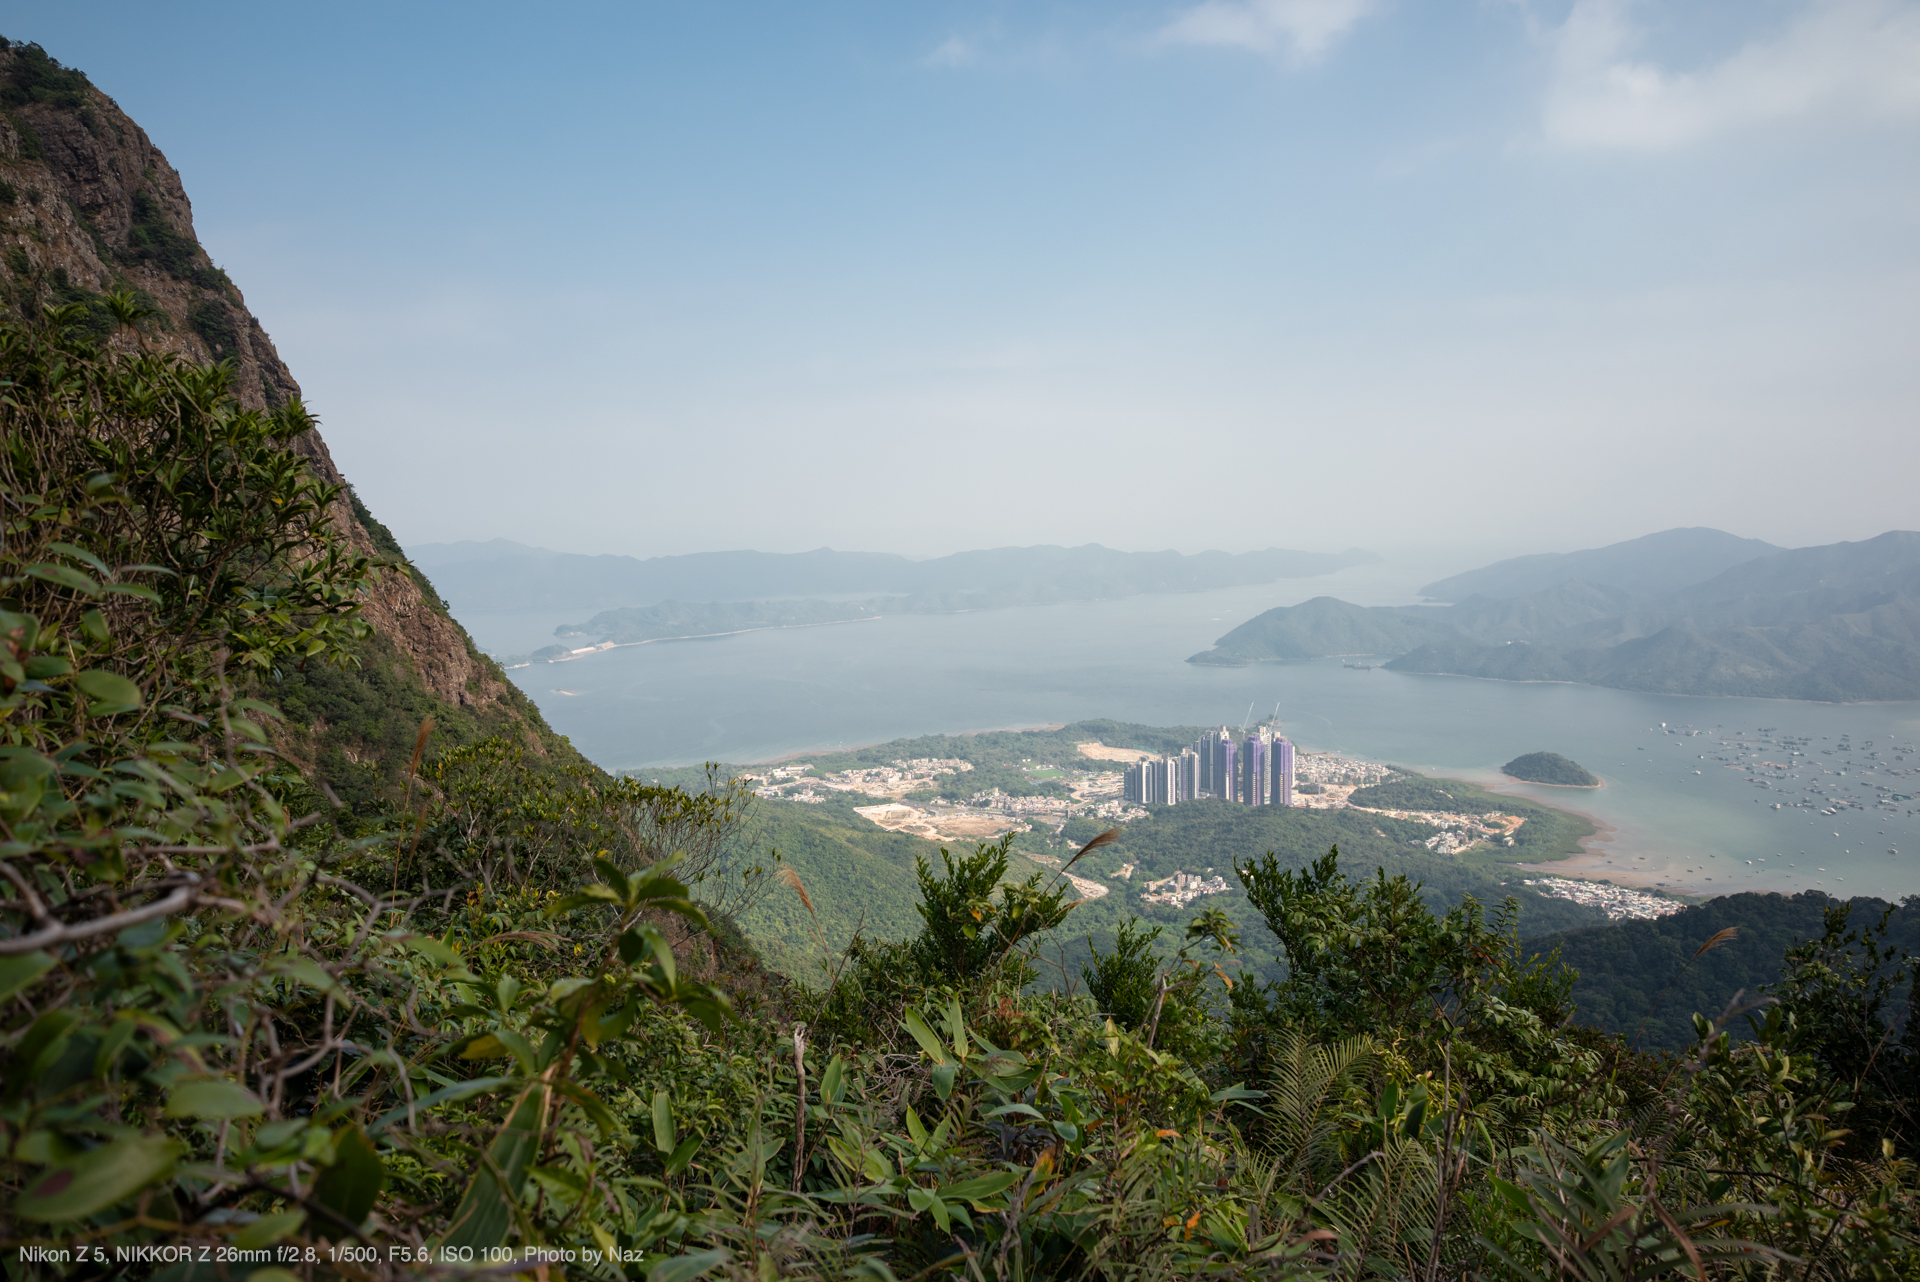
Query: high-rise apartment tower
{"x": 1253, "y": 770}
{"x": 1280, "y": 789}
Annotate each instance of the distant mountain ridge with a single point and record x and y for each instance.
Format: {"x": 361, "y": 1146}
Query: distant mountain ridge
{"x": 1839, "y": 623}
{"x": 1654, "y": 565}
{"x": 501, "y": 575}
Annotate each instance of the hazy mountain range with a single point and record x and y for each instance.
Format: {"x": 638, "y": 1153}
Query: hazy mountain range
{"x": 500, "y": 575}
{"x": 1647, "y": 567}
{"x": 1837, "y": 623}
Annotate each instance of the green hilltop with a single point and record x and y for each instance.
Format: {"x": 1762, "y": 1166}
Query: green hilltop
{"x": 1551, "y": 767}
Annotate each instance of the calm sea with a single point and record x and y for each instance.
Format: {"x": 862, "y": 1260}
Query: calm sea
{"x": 1677, "y": 812}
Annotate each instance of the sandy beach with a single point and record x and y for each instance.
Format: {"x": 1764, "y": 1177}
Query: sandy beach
{"x": 1601, "y": 858}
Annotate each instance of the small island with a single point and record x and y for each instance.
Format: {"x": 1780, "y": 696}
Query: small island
{"x": 1550, "y": 768}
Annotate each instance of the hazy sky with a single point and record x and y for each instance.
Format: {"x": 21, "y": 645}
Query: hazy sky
{"x": 652, "y": 277}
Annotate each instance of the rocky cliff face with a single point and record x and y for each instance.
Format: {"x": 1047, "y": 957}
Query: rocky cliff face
{"x": 89, "y": 206}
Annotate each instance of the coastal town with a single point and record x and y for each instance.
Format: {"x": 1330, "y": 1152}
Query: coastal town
{"x": 1459, "y": 832}
{"x": 981, "y": 816}
{"x": 1182, "y": 889}
{"x": 917, "y": 797}
{"x": 1618, "y": 902}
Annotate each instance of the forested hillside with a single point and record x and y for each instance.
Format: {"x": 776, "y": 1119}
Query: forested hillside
{"x": 1624, "y": 968}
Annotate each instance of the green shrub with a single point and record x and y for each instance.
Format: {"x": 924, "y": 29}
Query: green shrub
{"x": 153, "y": 238}
{"x": 213, "y": 320}
{"x": 30, "y": 148}
{"x": 1122, "y": 982}
{"x": 33, "y": 76}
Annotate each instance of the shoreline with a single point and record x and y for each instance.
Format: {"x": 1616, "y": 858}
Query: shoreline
{"x": 587, "y": 651}
{"x": 1541, "y": 783}
{"x": 1662, "y": 694}
{"x": 1554, "y": 681}
{"x": 1594, "y": 862}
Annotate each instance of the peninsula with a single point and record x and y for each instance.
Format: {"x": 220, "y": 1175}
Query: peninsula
{"x": 1838, "y": 623}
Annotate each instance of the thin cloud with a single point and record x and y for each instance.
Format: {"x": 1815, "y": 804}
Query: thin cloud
{"x": 1298, "y": 31}
{"x": 953, "y": 52}
{"x": 1853, "y": 59}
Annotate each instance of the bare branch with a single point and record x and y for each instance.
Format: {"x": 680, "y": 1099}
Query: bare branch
{"x": 25, "y": 887}
{"x": 60, "y": 933}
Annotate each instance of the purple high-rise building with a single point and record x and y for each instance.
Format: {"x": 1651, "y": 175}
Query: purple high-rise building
{"x": 1253, "y": 771}
{"x": 1280, "y": 790}
{"x": 1226, "y": 768}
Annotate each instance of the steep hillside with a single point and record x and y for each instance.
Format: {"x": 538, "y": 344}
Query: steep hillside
{"x": 1324, "y": 626}
{"x": 89, "y": 206}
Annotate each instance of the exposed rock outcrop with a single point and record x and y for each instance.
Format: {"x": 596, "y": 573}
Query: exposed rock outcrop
{"x": 89, "y": 206}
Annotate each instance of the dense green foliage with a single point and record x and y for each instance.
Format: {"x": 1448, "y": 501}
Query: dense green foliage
{"x": 213, "y": 321}
{"x": 507, "y": 1010}
{"x": 973, "y": 916}
{"x": 1416, "y": 792}
{"x": 859, "y": 880}
{"x": 1551, "y": 767}
{"x": 1624, "y": 968}
{"x": 34, "y": 76}
{"x": 1207, "y": 838}
{"x": 152, "y": 237}
{"x": 355, "y": 727}
{"x": 1549, "y": 833}
{"x": 1122, "y": 982}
